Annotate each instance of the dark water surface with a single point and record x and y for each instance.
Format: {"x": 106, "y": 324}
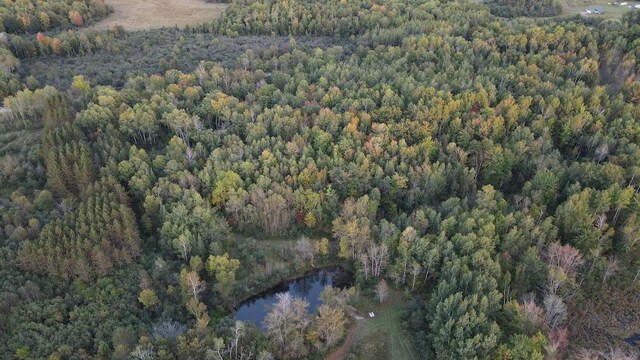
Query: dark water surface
{"x": 633, "y": 340}
{"x": 308, "y": 287}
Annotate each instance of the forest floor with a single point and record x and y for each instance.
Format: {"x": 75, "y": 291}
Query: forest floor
{"x": 152, "y": 14}
{"x": 381, "y": 337}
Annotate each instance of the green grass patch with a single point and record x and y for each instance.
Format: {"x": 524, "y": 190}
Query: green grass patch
{"x": 571, "y": 8}
{"x": 382, "y": 337}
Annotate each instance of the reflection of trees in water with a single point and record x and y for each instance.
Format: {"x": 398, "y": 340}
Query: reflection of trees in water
{"x": 303, "y": 286}
{"x": 325, "y": 277}
{"x": 269, "y": 295}
{"x": 342, "y": 279}
{"x": 256, "y": 307}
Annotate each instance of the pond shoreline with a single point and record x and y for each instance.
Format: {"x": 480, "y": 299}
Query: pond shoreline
{"x": 296, "y": 276}
{"x": 309, "y": 287}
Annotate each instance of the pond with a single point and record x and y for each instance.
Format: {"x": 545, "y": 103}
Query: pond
{"x": 308, "y": 287}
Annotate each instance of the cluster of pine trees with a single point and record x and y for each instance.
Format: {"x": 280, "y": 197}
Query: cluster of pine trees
{"x": 89, "y": 240}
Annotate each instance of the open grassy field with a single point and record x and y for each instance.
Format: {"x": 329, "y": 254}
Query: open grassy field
{"x": 579, "y": 7}
{"x": 573, "y": 7}
{"x": 378, "y": 338}
{"x": 153, "y": 14}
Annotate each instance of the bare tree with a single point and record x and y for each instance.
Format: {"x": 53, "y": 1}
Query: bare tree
{"x": 191, "y": 283}
{"x": 565, "y": 257}
{"x": 285, "y": 325}
{"x": 234, "y": 349}
{"x": 169, "y": 330}
{"x": 183, "y": 244}
{"x": 556, "y": 279}
{"x": 378, "y": 255}
{"x": 531, "y": 312}
{"x": 382, "y": 291}
{"x": 555, "y": 311}
{"x": 143, "y": 353}
{"x": 602, "y": 152}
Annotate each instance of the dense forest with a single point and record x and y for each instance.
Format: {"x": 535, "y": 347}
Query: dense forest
{"x": 481, "y": 170}
{"x": 533, "y": 8}
{"x": 31, "y": 16}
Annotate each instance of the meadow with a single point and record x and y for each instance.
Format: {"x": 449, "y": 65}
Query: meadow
{"x": 153, "y": 14}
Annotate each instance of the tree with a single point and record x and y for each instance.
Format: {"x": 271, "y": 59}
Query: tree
{"x": 182, "y": 244}
{"x": 181, "y": 123}
{"x": 148, "y": 298}
{"x": 555, "y": 311}
{"x": 285, "y": 325}
{"x": 352, "y": 228}
{"x": 81, "y": 89}
{"x": 564, "y": 261}
{"x": 225, "y": 183}
{"x": 564, "y": 257}
{"x": 224, "y": 269}
{"x": 378, "y": 255}
{"x": 322, "y": 247}
{"x": 75, "y": 18}
{"x": 192, "y": 286}
{"x": 407, "y": 240}
{"x": 328, "y": 327}
{"x": 139, "y": 123}
{"x": 169, "y": 330}
{"x": 522, "y": 347}
{"x": 338, "y": 298}
{"x": 382, "y": 291}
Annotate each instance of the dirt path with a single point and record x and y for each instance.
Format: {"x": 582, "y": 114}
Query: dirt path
{"x": 150, "y": 14}
{"x": 343, "y": 350}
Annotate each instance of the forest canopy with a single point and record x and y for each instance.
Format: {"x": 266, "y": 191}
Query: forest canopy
{"x": 482, "y": 172}
{"x": 531, "y": 8}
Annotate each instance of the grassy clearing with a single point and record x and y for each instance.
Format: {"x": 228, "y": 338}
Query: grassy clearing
{"x": 379, "y": 338}
{"x": 153, "y": 14}
{"x": 578, "y": 7}
{"x": 570, "y": 8}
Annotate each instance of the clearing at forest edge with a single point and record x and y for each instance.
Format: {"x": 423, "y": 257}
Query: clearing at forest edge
{"x": 380, "y": 337}
{"x": 151, "y": 14}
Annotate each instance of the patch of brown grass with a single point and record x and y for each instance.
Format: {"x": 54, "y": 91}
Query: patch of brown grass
{"x": 152, "y": 14}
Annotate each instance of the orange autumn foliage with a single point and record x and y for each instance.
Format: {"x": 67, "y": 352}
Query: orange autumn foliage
{"x": 56, "y": 45}
{"x": 75, "y": 18}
